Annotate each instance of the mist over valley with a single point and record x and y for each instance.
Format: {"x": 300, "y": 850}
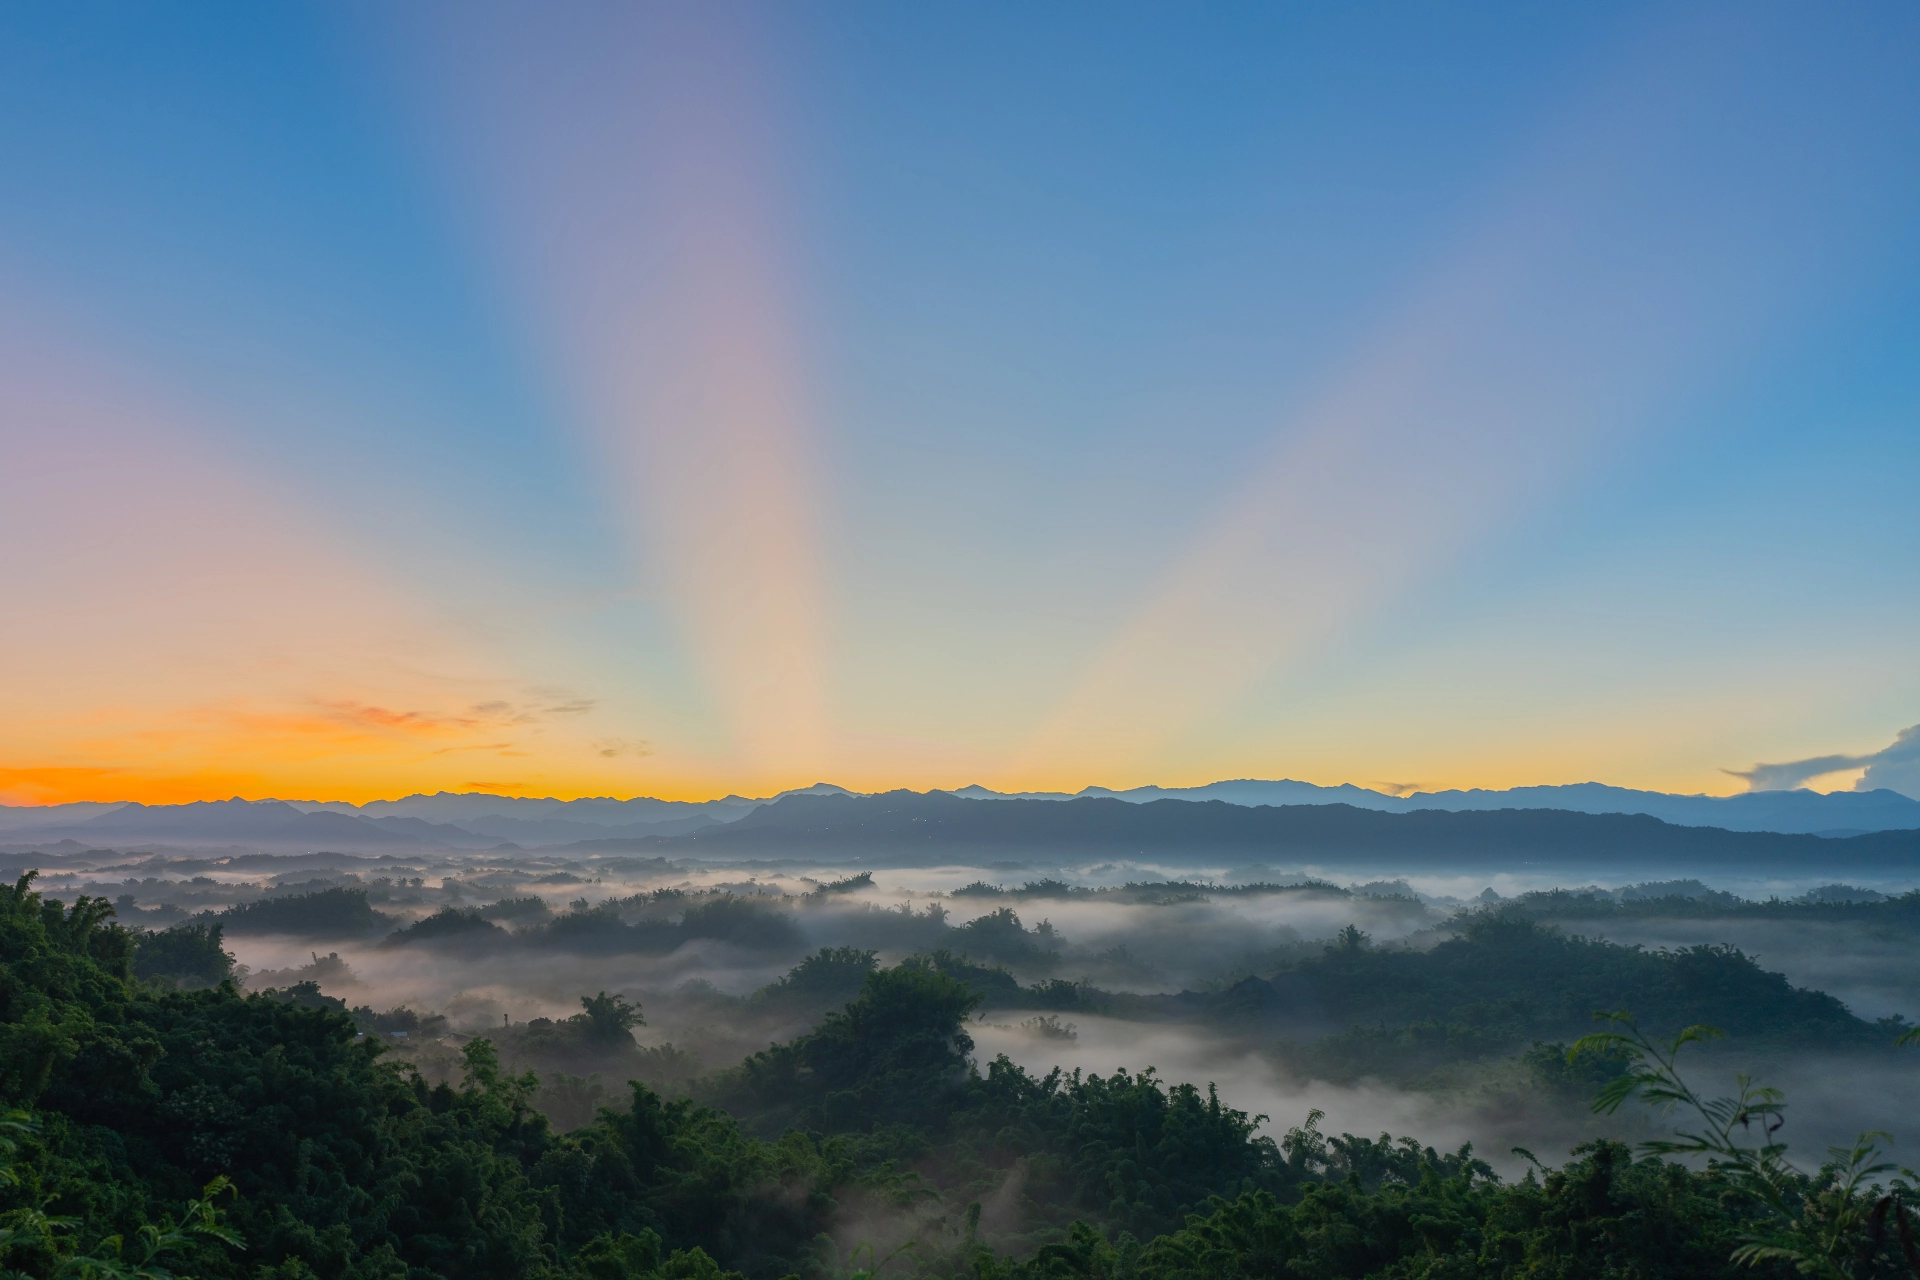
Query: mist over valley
{"x": 1471, "y": 945}
{"x": 939, "y": 997}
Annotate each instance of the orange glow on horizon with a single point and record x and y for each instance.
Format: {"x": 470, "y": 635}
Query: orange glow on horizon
{"x": 362, "y": 779}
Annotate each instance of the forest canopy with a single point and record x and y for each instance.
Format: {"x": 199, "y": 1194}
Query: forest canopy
{"x": 210, "y": 1133}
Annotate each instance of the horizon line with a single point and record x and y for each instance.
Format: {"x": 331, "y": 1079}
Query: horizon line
{"x": 1091, "y": 791}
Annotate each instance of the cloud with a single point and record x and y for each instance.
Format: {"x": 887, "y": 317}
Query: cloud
{"x": 363, "y": 715}
{"x": 481, "y": 715}
{"x": 500, "y": 712}
{"x": 611, "y": 747}
{"x": 1895, "y": 768}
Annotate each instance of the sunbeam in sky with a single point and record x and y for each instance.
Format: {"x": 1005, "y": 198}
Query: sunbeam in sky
{"x": 1486, "y": 390}
{"x": 626, "y": 164}
{"x": 683, "y": 400}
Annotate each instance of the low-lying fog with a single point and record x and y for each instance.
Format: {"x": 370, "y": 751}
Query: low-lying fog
{"x": 1117, "y": 933}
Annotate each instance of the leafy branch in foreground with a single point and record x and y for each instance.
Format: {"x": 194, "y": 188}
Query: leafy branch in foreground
{"x": 15, "y": 1124}
{"x": 115, "y": 1257}
{"x": 1831, "y": 1223}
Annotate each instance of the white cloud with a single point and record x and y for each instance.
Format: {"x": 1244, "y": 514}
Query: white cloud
{"x": 1895, "y": 768}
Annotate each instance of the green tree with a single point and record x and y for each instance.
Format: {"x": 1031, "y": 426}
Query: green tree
{"x": 1831, "y": 1222}
{"x": 610, "y": 1019}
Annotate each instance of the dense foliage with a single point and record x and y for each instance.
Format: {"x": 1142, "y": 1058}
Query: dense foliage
{"x": 1506, "y": 981}
{"x": 150, "y": 1131}
{"x": 324, "y": 913}
{"x": 189, "y": 954}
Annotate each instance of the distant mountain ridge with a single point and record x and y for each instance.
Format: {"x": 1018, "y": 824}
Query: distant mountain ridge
{"x": 268, "y": 824}
{"x": 486, "y": 822}
{"x": 476, "y": 820}
{"x": 1792, "y": 812}
{"x": 907, "y": 828}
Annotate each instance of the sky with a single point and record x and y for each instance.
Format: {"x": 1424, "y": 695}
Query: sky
{"x": 676, "y": 399}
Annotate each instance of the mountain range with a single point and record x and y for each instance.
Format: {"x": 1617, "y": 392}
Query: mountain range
{"x": 908, "y": 828}
{"x": 473, "y": 820}
{"x": 1806, "y": 812}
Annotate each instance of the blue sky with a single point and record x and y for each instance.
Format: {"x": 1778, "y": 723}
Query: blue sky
{"x": 684, "y": 399}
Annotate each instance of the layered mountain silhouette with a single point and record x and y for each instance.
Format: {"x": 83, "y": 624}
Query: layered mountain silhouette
{"x": 1792, "y": 811}
{"x": 905, "y": 827}
{"x": 265, "y": 823}
{"x": 1199, "y": 817}
{"x": 483, "y": 822}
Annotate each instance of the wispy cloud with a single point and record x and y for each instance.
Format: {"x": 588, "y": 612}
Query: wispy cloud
{"x": 365, "y": 716}
{"x": 1895, "y": 768}
{"x": 611, "y": 747}
{"x": 494, "y": 714}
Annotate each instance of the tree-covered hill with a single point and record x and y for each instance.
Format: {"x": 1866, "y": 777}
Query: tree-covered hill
{"x": 323, "y": 913}
{"x": 149, "y": 1132}
{"x": 1502, "y": 982}
{"x": 1505, "y": 981}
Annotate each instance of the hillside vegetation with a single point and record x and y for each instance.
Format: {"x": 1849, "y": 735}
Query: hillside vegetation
{"x": 212, "y": 1134}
